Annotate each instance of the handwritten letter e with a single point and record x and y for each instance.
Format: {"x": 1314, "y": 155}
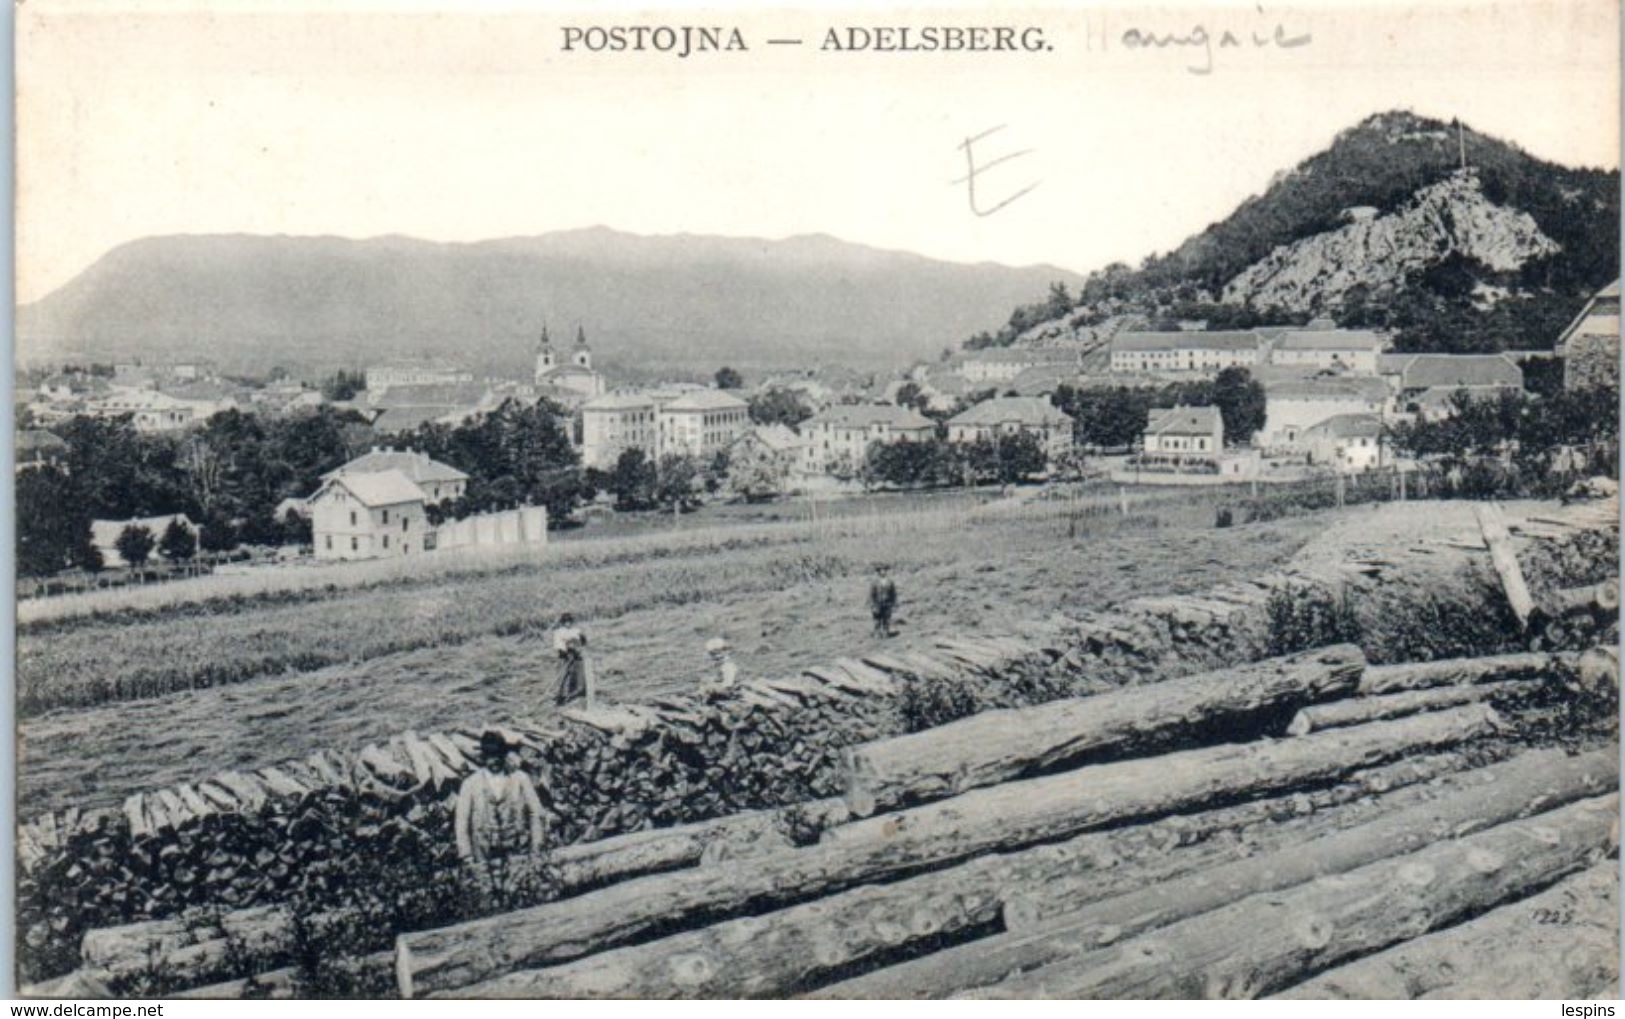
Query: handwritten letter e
{"x": 972, "y": 170}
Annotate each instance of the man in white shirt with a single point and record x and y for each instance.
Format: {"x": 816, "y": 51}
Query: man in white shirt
{"x": 575, "y": 680}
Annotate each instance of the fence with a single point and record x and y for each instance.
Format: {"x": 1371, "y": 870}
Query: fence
{"x": 524, "y": 526}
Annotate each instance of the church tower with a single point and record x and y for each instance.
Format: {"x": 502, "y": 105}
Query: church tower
{"x": 582, "y": 355}
{"x": 544, "y": 356}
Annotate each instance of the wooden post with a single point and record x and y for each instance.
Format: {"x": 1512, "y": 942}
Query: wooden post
{"x": 1122, "y": 499}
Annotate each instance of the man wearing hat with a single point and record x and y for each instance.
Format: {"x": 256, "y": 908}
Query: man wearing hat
{"x": 498, "y": 813}
{"x": 882, "y": 600}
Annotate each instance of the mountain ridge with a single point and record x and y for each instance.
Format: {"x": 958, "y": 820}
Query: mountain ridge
{"x": 695, "y": 300}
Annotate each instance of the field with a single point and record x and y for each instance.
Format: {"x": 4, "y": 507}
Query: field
{"x": 280, "y": 673}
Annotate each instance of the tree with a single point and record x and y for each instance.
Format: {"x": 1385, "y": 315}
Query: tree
{"x": 178, "y": 542}
{"x": 216, "y": 533}
{"x": 727, "y": 378}
{"x": 344, "y": 385}
{"x": 1240, "y": 399}
{"x": 1020, "y": 456}
{"x": 135, "y": 544}
{"x": 679, "y": 482}
{"x": 296, "y": 528}
{"x": 53, "y": 530}
{"x": 632, "y": 483}
{"x": 777, "y": 406}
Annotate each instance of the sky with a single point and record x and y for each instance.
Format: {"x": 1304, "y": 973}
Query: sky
{"x": 395, "y": 117}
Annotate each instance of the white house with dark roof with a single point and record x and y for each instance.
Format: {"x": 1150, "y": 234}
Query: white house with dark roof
{"x": 438, "y": 482}
{"x": 368, "y": 515}
{"x": 1009, "y": 415}
{"x": 1186, "y": 351}
{"x": 840, "y": 435}
{"x": 1185, "y": 432}
{"x": 1348, "y": 443}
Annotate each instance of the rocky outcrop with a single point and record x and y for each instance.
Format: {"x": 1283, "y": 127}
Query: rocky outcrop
{"x": 1452, "y": 217}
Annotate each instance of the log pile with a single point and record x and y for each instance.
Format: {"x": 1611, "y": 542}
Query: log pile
{"x": 1154, "y": 724}
{"x": 1055, "y": 886}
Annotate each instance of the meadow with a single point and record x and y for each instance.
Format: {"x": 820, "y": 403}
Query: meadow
{"x": 137, "y": 697}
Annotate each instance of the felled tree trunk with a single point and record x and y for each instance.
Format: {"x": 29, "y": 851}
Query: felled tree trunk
{"x": 1359, "y": 710}
{"x": 782, "y": 952}
{"x": 1007, "y": 817}
{"x": 1270, "y": 941}
{"x": 1383, "y": 679}
{"x": 1063, "y": 917}
{"x": 1562, "y": 943}
{"x": 995, "y": 746}
{"x": 189, "y": 953}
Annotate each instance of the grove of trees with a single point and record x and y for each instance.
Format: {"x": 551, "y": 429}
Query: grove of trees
{"x": 1117, "y": 416}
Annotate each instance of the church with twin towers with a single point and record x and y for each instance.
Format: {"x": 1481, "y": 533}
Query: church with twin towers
{"x": 576, "y": 374}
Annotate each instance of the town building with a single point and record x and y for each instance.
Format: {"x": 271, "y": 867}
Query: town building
{"x": 838, "y": 437}
{"x": 1184, "y": 432}
{"x": 1002, "y": 364}
{"x": 1008, "y": 415}
{"x": 368, "y": 515}
{"x": 1349, "y": 443}
{"x": 104, "y": 534}
{"x": 763, "y": 460}
{"x": 701, "y": 423}
{"x": 574, "y": 375}
{"x": 616, "y": 422}
{"x": 1293, "y": 405}
{"x": 1426, "y": 385}
{"x": 414, "y": 372}
{"x": 1589, "y": 346}
{"x": 150, "y": 410}
{"x": 1322, "y": 346}
{"x": 439, "y": 482}
{"x": 1205, "y": 353}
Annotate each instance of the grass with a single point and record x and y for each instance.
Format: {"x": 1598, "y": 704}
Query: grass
{"x": 254, "y": 684}
{"x": 630, "y": 538}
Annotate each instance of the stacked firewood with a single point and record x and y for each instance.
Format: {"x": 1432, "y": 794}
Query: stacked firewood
{"x": 314, "y": 831}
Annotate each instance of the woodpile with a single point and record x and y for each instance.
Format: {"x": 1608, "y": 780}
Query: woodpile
{"x": 861, "y": 797}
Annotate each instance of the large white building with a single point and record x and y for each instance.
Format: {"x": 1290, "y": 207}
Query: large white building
{"x": 1186, "y": 351}
{"x": 701, "y": 423}
{"x": 839, "y": 436}
{"x": 1002, "y": 364}
{"x": 1008, "y": 415}
{"x": 614, "y": 423}
{"x": 1322, "y": 346}
{"x": 415, "y": 372}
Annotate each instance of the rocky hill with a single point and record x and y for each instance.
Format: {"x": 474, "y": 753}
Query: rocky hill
{"x": 1386, "y": 228}
{"x": 661, "y": 304}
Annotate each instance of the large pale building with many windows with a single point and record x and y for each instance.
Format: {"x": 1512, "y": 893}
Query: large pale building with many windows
{"x": 702, "y": 422}
{"x": 614, "y": 423}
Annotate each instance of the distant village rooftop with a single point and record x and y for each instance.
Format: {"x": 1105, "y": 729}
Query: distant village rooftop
{"x": 1031, "y": 411}
{"x": 415, "y": 466}
{"x": 1240, "y": 339}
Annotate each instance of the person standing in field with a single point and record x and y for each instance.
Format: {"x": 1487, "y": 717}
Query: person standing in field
{"x": 570, "y": 644}
{"x": 725, "y": 674}
{"x": 882, "y": 600}
{"x": 498, "y": 814}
